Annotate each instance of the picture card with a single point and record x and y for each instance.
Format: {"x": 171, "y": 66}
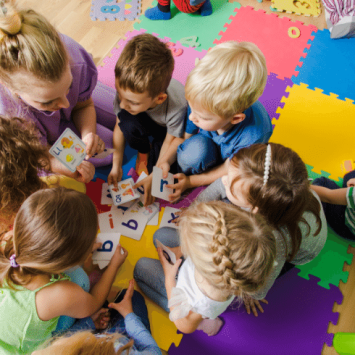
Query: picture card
{"x": 109, "y": 244}
{"x": 154, "y": 220}
{"x": 69, "y": 149}
{"x": 169, "y": 255}
{"x": 124, "y": 192}
{"x": 106, "y": 198}
{"x": 159, "y": 188}
{"x": 169, "y": 215}
{"x": 104, "y": 154}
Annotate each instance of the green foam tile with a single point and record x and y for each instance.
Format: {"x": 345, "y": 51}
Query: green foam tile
{"x": 314, "y": 175}
{"x": 328, "y": 265}
{"x": 181, "y": 25}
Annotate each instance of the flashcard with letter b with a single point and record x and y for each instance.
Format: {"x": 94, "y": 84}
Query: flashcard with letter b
{"x": 159, "y": 188}
{"x": 105, "y": 252}
{"x": 69, "y": 149}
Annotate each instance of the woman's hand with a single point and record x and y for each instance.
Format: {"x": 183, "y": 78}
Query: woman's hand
{"x": 94, "y": 144}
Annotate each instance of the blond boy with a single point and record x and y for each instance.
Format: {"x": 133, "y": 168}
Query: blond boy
{"x": 149, "y": 103}
{"x": 222, "y": 93}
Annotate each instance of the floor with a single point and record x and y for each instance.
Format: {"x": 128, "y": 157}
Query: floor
{"x": 100, "y": 37}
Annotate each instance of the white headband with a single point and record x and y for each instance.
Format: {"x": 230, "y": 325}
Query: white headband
{"x": 267, "y": 164}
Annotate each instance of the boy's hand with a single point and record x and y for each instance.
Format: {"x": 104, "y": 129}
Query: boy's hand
{"x": 147, "y": 185}
{"x": 351, "y": 182}
{"x": 115, "y": 176}
{"x": 119, "y": 256}
{"x": 166, "y": 168}
{"x": 170, "y": 271}
{"x": 182, "y": 184}
{"x": 125, "y": 306}
{"x": 94, "y": 144}
{"x": 101, "y": 318}
{"x": 251, "y": 303}
{"x": 84, "y": 172}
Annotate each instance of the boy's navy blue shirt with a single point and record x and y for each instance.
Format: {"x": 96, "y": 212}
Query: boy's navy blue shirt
{"x": 255, "y": 128}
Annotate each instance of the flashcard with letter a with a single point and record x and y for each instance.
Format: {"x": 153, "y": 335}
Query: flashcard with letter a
{"x": 69, "y": 149}
{"x": 109, "y": 244}
{"x": 159, "y": 188}
{"x": 169, "y": 215}
{"x": 124, "y": 192}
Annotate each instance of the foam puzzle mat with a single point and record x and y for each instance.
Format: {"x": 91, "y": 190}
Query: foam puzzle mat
{"x": 115, "y": 9}
{"x": 309, "y": 99}
{"x": 304, "y": 7}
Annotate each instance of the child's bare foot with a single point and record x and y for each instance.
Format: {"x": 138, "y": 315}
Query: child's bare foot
{"x": 141, "y": 163}
{"x": 211, "y": 326}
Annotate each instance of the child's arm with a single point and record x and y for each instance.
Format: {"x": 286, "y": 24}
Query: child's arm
{"x": 206, "y": 178}
{"x": 84, "y": 118}
{"x": 335, "y": 197}
{"x": 68, "y": 299}
{"x": 189, "y": 323}
{"x": 118, "y": 144}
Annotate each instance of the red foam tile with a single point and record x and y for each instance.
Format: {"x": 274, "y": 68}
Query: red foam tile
{"x": 270, "y": 33}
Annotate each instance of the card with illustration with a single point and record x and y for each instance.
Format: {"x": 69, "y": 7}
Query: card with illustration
{"x": 104, "y": 154}
{"x": 154, "y": 220}
{"x": 109, "y": 244}
{"x": 106, "y": 198}
{"x": 124, "y": 192}
{"x": 169, "y": 255}
{"x": 69, "y": 149}
{"x": 159, "y": 188}
{"x": 169, "y": 215}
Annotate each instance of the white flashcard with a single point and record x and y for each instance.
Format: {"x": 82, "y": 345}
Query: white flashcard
{"x": 159, "y": 188}
{"x": 102, "y": 263}
{"x": 106, "y": 195}
{"x": 69, "y": 149}
{"x": 109, "y": 244}
{"x": 103, "y": 154}
{"x": 169, "y": 255}
{"x": 124, "y": 207}
{"x": 134, "y": 221}
{"x": 140, "y": 189}
{"x": 154, "y": 220}
{"x": 169, "y": 215}
{"x": 124, "y": 192}
{"x": 109, "y": 222}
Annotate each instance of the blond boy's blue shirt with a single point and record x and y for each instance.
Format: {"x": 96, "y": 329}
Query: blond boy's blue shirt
{"x": 255, "y": 128}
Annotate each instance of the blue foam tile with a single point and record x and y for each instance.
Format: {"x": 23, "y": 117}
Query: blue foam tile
{"x": 328, "y": 65}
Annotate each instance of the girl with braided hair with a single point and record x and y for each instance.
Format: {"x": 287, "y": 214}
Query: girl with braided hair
{"x": 272, "y": 180}
{"x": 228, "y": 252}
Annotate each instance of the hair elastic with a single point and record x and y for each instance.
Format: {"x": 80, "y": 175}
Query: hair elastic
{"x": 267, "y": 164}
{"x": 13, "y": 262}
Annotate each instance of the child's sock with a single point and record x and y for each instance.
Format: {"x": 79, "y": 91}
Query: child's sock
{"x": 156, "y": 13}
{"x": 206, "y": 8}
{"x": 211, "y": 326}
{"x": 141, "y": 163}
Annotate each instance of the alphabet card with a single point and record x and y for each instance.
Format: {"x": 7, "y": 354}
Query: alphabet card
{"x": 169, "y": 215}
{"x": 124, "y": 192}
{"x": 140, "y": 189}
{"x": 103, "y": 255}
{"x": 103, "y": 154}
{"x": 110, "y": 221}
{"x": 159, "y": 188}
{"x": 136, "y": 218}
{"x": 69, "y": 149}
{"x": 106, "y": 198}
{"x": 168, "y": 254}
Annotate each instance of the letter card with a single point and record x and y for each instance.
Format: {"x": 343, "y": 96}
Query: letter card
{"x": 159, "y": 188}
{"x": 169, "y": 214}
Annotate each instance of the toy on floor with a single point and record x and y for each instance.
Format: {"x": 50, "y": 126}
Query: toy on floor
{"x": 115, "y": 9}
{"x": 162, "y": 10}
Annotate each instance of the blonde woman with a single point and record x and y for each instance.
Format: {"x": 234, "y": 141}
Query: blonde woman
{"x": 228, "y": 252}
{"x": 49, "y": 78}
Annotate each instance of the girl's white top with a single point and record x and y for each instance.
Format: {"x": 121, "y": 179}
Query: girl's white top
{"x": 187, "y": 296}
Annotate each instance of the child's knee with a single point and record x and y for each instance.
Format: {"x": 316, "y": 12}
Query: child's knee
{"x": 197, "y": 154}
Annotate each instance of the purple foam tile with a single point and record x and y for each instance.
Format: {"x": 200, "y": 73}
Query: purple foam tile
{"x": 275, "y": 89}
{"x": 294, "y": 322}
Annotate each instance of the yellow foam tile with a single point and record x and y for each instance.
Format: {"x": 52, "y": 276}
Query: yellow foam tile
{"x": 301, "y": 7}
{"x": 320, "y": 128}
{"x": 164, "y": 331}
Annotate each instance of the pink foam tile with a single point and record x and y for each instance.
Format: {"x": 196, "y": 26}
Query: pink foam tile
{"x": 271, "y": 34}
{"x": 184, "y": 59}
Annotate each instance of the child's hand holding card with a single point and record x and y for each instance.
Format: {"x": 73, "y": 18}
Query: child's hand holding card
{"x": 69, "y": 149}
{"x": 124, "y": 192}
{"x": 168, "y": 254}
{"x": 159, "y": 188}
{"x": 103, "y": 255}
